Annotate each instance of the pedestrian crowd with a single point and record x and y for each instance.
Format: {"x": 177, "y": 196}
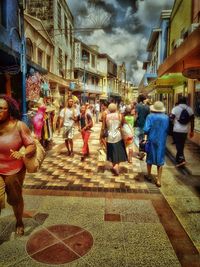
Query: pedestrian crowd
{"x": 139, "y": 129}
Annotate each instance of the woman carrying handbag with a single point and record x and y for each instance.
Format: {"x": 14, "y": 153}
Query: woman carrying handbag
{"x": 12, "y": 168}
{"x": 115, "y": 147}
{"x": 156, "y": 130}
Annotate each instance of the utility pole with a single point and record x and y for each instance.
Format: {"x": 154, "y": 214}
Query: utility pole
{"x": 23, "y": 62}
{"x": 84, "y": 59}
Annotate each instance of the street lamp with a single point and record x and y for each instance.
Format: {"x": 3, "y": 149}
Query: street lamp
{"x": 85, "y": 60}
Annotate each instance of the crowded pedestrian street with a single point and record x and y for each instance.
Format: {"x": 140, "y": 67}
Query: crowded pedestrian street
{"x": 79, "y": 214}
{"x": 100, "y": 133}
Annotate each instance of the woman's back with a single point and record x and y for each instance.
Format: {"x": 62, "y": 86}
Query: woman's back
{"x": 113, "y": 122}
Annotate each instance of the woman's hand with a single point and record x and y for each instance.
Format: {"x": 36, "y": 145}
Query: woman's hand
{"x": 16, "y": 154}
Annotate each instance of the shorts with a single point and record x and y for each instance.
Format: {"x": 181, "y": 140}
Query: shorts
{"x": 12, "y": 186}
{"x": 68, "y": 132}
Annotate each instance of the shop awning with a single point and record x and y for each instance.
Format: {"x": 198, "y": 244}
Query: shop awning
{"x": 166, "y": 82}
{"x": 185, "y": 59}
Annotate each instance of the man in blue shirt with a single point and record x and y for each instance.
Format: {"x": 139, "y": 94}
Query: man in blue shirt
{"x": 142, "y": 110}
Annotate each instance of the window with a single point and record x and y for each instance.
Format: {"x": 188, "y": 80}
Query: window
{"x": 3, "y": 13}
{"x": 66, "y": 66}
{"x": 59, "y": 16}
{"x": 93, "y": 61}
{"x": 86, "y": 54}
{"x": 40, "y": 56}
{"x": 29, "y": 48}
{"x": 48, "y": 63}
{"x": 66, "y": 29}
{"x": 60, "y": 62}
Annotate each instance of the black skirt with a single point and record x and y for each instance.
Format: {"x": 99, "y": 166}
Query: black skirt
{"x": 116, "y": 152}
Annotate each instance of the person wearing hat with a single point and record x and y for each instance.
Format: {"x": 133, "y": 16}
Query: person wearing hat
{"x": 115, "y": 147}
{"x": 156, "y": 129}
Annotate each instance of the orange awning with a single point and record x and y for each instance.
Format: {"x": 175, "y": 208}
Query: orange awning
{"x": 184, "y": 58}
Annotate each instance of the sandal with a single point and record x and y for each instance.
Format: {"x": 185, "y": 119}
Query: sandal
{"x": 115, "y": 172}
{"x": 19, "y": 230}
{"x": 158, "y": 184}
{"x": 148, "y": 177}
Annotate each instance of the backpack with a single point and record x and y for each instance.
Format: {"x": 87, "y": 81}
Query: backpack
{"x": 184, "y": 116}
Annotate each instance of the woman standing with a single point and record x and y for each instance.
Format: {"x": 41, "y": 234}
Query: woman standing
{"x": 13, "y": 135}
{"x": 156, "y": 129}
{"x": 116, "y": 151}
{"x": 85, "y": 126}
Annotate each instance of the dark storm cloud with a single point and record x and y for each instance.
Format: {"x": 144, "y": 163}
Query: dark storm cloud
{"x": 126, "y": 27}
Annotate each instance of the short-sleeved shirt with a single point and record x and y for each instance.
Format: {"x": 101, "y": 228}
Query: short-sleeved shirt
{"x": 142, "y": 111}
{"x": 176, "y": 111}
{"x": 130, "y": 120}
{"x": 13, "y": 140}
{"x": 67, "y": 114}
{"x": 97, "y": 107}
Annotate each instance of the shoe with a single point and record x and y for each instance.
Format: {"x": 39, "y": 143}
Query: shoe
{"x": 68, "y": 153}
{"x": 115, "y": 172}
{"x": 157, "y": 183}
{"x": 83, "y": 158}
{"x": 140, "y": 156}
{"x": 19, "y": 230}
{"x": 72, "y": 154}
{"x": 181, "y": 164}
{"x": 148, "y": 178}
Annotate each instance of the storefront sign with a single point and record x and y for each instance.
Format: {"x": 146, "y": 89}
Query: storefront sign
{"x": 164, "y": 91}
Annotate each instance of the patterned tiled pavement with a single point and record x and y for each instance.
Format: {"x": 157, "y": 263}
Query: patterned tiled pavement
{"x": 62, "y": 172}
{"x": 78, "y": 214}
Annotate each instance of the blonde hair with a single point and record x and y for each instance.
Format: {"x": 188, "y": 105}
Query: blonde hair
{"x": 112, "y": 107}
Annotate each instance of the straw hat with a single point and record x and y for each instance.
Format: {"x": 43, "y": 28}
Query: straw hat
{"x": 158, "y": 106}
{"x": 112, "y": 107}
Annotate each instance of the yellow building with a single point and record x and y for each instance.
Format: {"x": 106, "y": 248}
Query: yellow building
{"x": 184, "y": 55}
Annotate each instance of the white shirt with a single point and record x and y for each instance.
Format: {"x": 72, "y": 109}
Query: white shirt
{"x": 178, "y": 127}
{"x": 97, "y": 107}
{"x": 67, "y": 114}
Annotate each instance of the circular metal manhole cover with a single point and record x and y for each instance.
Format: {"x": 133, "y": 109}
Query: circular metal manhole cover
{"x": 59, "y": 244}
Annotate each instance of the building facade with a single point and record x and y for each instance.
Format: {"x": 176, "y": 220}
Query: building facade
{"x": 89, "y": 80}
{"x": 59, "y": 23}
{"x": 157, "y": 89}
{"x": 108, "y": 67}
{"x": 184, "y": 55}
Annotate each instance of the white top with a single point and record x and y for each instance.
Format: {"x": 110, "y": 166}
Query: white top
{"x": 178, "y": 127}
{"x": 67, "y": 114}
{"x": 113, "y": 125}
{"x": 97, "y": 107}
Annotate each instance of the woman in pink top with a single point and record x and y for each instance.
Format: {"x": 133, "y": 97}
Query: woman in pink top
{"x": 13, "y": 135}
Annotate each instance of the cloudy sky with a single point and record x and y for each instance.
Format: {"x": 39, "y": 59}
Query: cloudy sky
{"x": 125, "y": 27}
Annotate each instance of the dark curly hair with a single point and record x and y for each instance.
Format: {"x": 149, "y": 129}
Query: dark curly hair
{"x": 13, "y": 107}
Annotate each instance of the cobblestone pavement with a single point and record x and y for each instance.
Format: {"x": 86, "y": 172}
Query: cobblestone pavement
{"x": 62, "y": 172}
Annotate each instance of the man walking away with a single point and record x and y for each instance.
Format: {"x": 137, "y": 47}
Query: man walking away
{"x": 142, "y": 111}
{"x": 183, "y": 117}
{"x": 68, "y": 117}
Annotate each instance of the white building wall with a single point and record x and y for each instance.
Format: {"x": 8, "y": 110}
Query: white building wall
{"x": 60, "y": 40}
